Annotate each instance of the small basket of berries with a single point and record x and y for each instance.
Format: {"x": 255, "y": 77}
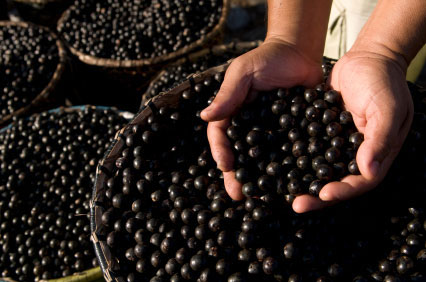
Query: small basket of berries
{"x": 32, "y": 64}
{"x": 131, "y": 34}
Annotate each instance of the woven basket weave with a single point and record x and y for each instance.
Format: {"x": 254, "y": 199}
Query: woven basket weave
{"x": 48, "y": 96}
{"x": 91, "y": 275}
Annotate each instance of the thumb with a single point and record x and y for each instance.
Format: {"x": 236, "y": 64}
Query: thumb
{"x": 370, "y": 156}
{"x": 383, "y": 136}
{"x": 232, "y": 92}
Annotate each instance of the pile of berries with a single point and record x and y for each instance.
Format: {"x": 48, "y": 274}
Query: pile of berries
{"x": 48, "y": 164}
{"x": 135, "y": 30}
{"x": 293, "y": 141}
{"x": 29, "y": 57}
{"x": 165, "y": 215}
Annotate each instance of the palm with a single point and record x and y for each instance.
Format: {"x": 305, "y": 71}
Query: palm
{"x": 375, "y": 92}
{"x": 369, "y": 86}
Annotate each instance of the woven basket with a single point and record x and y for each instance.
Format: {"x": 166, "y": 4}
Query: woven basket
{"x": 93, "y": 274}
{"x": 170, "y": 99}
{"x": 110, "y": 63}
{"x": 234, "y": 48}
{"x": 49, "y": 95}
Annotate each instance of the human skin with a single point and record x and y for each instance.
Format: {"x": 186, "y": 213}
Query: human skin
{"x": 290, "y": 55}
{"x": 370, "y": 77}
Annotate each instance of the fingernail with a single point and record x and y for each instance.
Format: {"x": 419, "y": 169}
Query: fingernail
{"x": 375, "y": 168}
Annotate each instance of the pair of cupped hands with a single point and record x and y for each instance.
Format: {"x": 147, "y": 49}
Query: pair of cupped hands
{"x": 373, "y": 89}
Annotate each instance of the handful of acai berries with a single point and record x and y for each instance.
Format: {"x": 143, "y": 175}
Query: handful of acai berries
{"x": 293, "y": 141}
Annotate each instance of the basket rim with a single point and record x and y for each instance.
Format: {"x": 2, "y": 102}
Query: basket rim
{"x": 125, "y": 114}
{"x": 7, "y": 279}
{"x": 81, "y": 276}
{"x": 112, "y": 63}
{"x": 54, "y": 80}
{"x": 39, "y": 2}
{"x": 104, "y": 167}
{"x": 215, "y": 50}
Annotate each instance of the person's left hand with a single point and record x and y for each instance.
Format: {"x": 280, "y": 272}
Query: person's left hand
{"x": 374, "y": 90}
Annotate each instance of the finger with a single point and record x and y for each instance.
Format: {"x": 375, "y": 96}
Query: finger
{"x": 232, "y": 186}
{"x": 305, "y": 203}
{"x": 232, "y": 92}
{"x": 349, "y": 187}
{"x": 220, "y": 145}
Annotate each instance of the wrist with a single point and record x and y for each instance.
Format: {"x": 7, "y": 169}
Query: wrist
{"x": 398, "y": 39}
{"x": 301, "y": 23}
{"x": 312, "y": 56}
{"x": 375, "y": 49}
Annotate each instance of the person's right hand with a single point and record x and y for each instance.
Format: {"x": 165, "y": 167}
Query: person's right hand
{"x": 274, "y": 64}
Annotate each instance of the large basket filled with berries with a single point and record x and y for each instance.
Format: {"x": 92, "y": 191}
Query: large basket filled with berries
{"x": 160, "y": 211}
{"x": 48, "y": 164}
